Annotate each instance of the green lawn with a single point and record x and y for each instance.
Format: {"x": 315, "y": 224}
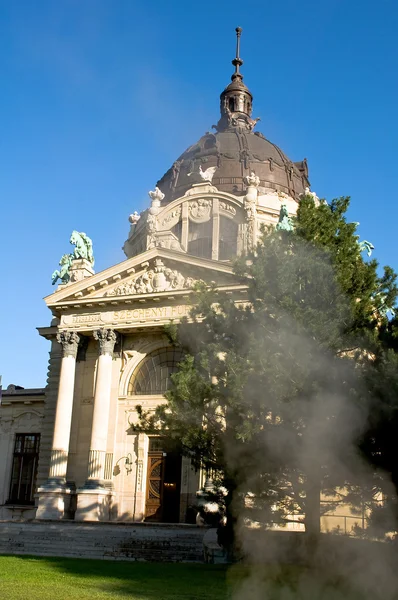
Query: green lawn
{"x": 34, "y": 578}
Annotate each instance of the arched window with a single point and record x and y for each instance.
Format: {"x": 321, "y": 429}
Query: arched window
{"x": 152, "y": 376}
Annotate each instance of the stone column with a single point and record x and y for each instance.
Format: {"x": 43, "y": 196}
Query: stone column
{"x": 94, "y": 498}
{"x": 54, "y": 495}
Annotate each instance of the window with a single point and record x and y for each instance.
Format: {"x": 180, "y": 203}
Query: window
{"x": 200, "y": 239}
{"x": 156, "y": 444}
{"x": 177, "y": 229}
{"x": 152, "y": 376}
{"x": 228, "y": 247}
{"x": 24, "y": 468}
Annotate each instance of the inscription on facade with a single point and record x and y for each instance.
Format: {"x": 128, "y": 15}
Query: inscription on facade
{"x": 93, "y": 318}
{"x": 155, "y": 313}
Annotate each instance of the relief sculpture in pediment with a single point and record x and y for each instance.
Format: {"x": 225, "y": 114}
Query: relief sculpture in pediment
{"x": 159, "y": 278}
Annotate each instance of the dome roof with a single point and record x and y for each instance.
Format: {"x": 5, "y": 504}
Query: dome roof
{"x": 235, "y": 153}
{"x": 235, "y": 150}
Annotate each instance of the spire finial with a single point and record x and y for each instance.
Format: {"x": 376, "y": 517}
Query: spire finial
{"x": 237, "y": 61}
{"x": 236, "y": 100}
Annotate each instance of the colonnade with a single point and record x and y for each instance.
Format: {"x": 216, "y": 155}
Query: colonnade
{"x": 93, "y": 497}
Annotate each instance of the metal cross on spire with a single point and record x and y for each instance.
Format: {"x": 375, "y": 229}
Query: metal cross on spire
{"x": 237, "y": 61}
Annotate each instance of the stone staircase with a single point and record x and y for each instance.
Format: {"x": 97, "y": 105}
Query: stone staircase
{"x": 118, "y": 541}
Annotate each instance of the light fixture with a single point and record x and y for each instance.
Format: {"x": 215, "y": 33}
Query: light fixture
{"x": 128, "y": 463}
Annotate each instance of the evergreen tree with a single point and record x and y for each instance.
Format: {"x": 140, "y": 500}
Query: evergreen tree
{"x": 270, "y": 396}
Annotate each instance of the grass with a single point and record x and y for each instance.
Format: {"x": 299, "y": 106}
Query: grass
{"x": 36, "y": 578}
{"x": 39, "y": 578}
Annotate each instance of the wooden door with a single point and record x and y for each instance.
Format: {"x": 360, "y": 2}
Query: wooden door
{"x": 154, "y": 487}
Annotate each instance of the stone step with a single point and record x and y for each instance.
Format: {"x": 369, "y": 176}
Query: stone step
{"x": 107, "y": 541}
{"x": 124, "y": 543}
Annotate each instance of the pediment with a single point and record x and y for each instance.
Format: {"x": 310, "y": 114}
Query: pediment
{"x": 156, "y": 272}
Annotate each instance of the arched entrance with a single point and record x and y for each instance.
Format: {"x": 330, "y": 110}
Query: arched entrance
{"x": 163, "y": 468}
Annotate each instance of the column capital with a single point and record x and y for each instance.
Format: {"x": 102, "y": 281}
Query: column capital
{"x": 69, "y": 341}
{"x": 106, "y": 339}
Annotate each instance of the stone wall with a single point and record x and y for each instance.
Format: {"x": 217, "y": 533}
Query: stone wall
{"x": 21, "y": 411}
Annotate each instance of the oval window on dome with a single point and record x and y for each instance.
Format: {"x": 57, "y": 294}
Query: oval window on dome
{"x": 153, "y": 374}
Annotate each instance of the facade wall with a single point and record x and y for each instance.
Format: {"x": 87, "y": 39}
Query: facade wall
{"x": 127, "y": 483}
{"x": 20, "y": 413}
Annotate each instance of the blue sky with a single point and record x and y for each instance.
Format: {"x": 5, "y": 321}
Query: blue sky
{"x": 98, "y": 98}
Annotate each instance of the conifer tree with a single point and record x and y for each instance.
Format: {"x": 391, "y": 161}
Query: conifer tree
{"x": 274, "y": 393}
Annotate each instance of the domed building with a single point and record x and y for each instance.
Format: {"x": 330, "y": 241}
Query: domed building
{"x": 76, "y": 453}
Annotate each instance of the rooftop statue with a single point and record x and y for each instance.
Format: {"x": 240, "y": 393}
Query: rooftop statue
{"x": 252, "y": 179}
{"x": 83, "y": 250}
{"x": 83, "y": 246}
{"x": 134, "y": 218}
{"x": 206, "y": 175}
{"x": 63, "y": 273}
{"x": 157, "y": 195}
{"x": 285, "y": 223}
{"x": 307, "y": 192}
{"x": 366, "y": 246}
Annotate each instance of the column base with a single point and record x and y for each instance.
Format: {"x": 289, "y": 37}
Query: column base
{"x": 94, "y": 505}
{"x": 55, "y": 502}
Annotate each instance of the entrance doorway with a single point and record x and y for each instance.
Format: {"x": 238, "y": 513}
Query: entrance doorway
{"x": 163, "y": 482}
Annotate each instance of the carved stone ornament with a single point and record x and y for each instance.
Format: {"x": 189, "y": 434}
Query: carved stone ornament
{"x": 69, "y": 341}
{"x": 173, "y": 215}
{"x": 80, "y": 269}
{"x": 251, "y": 213}
{"x": 307, "y": 192}
{"x": 250, "y": 208}
{"x": 158, "y": 278}
{"x": 199, "y": 210}
{"x": 252, "y": 179}
{"x": 106, "y": 339}
{"x": 151, "y": 224}
{"x": 6, "y": 425}
{"x": 225, "y": 206}
{"x": 167, "y": 239}
{"x": 134, "y": 218}
{"x": 157, "y": 195}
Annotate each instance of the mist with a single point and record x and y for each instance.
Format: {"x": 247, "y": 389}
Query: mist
{"x": 312, "y": 416}
{"x": 310, "y": 404}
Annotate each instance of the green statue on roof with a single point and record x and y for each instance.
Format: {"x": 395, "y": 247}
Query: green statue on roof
{"x": 63, "y": 272}
{"x": 285, "y": 223}
{"x": 83, "y": 250}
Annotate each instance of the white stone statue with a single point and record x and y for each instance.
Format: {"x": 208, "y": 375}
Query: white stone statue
{"x": 206, "y": 175}
{"x": 134, "y": 218}
{"x": 252, "y": 179}
{"x": 307, "y": 192}
{"x": 156, "y": 196}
